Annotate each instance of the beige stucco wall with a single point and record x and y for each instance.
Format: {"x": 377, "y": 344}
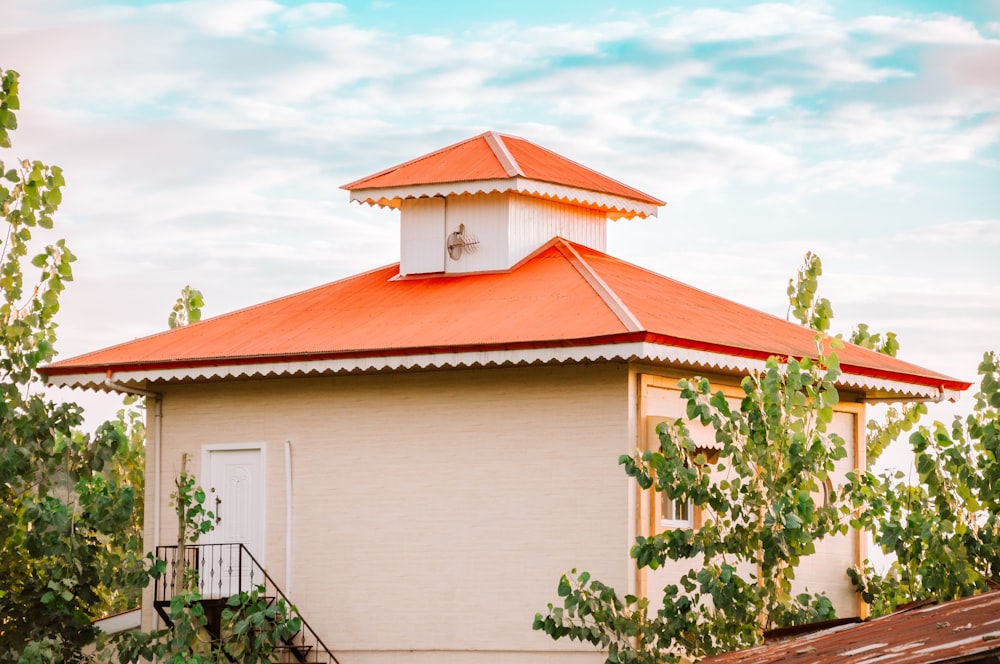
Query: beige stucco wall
{"x": 433, "y": 512}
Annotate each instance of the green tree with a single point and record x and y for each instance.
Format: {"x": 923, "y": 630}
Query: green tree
{"x": 187, "y": 309}
{"x": 939, "y": 529}
{"x": 70, "y": 503}
{"x": 126, "y": 565}
{"x": 763, "y": 518}
{"x": 59, "y": 504}
{"x": 816, "y": 313}
{"x": 758, "y": 524}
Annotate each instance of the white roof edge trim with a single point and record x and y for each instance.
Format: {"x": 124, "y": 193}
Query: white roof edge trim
{"x": 878, "y": 388}
{"x": 615, "y": 206}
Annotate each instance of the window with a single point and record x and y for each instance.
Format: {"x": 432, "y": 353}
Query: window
{"x": 674, "y": 513}
{"x": 661, "y": 512}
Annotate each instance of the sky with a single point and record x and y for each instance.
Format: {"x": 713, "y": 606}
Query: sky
{"x": 204, "y": 142}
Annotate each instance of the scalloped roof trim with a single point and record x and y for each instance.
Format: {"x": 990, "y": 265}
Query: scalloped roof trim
{"x": 698, "y": 360}
{"x": 616, "y": 207}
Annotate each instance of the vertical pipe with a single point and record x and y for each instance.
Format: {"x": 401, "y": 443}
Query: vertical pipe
{"x": 157, "y": 432}
{"x": 288, "y": 517}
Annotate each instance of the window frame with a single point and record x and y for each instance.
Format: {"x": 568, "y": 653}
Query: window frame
{"x": 660, "y": 519}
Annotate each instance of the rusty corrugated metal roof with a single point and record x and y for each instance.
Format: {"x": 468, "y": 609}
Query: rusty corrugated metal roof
{"x": 563, "y": 295}
{"x": 963, "y": 630}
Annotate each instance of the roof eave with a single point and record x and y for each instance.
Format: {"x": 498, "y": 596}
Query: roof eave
{"x": 616, "y": 207}
{"x": 875, "y": 385}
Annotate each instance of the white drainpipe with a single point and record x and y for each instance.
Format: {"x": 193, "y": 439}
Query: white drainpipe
{"x": 288, "y": 518}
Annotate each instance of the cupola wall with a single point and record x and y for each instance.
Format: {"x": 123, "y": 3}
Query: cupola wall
{"x": 465, "y": 233}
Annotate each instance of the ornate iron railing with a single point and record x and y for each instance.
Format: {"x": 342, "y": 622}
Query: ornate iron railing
{"x": 223, "y": 570}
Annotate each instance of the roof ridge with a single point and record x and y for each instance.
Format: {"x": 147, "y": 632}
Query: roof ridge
{"x": 602, "y": 289}
{"x": 503, "y": 155}
{"x": 641, "y": 194}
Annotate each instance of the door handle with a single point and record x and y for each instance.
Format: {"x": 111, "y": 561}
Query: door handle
{"x": 218, "y": 510}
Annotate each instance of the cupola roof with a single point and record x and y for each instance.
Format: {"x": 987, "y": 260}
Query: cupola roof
{"x": 494, "y": 162}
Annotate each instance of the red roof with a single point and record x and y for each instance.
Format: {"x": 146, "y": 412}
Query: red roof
{"x": 492, "y": 156}
{"x": 563, "y": 295}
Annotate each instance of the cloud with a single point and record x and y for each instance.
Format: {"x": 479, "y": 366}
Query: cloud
{"x": 767, "y": 101}
{"x": 976, "y": 232}
{"x": 204, "y": 141}
{"x": 910, "y": 30}
{"x": 312, "y": 12}
{"x": 311, "y": 76}
{"x": 228, "y": 18}
{"x": 760, "y": 21}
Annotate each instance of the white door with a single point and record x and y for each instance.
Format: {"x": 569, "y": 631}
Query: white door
{"x": 235, "y": 494}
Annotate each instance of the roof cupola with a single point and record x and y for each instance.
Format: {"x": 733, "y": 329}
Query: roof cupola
{"x": 486, "y": 203}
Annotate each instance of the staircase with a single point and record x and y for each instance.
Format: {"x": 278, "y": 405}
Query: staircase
{"x": 223, "y": 570}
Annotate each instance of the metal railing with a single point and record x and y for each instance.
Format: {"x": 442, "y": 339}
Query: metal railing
{"x": 224, "y": 570}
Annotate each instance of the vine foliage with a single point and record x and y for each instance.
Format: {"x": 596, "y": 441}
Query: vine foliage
{"x": 764, "y": 510}
{"x": 63, "y": 504}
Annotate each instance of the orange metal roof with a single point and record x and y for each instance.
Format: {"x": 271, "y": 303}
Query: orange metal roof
{"x": 562, "y": 295}
{"x": 491, "y": 156}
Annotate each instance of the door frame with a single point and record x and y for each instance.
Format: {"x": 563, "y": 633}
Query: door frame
{"x": 206, "y": 455}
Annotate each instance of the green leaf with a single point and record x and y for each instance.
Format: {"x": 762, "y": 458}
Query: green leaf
{"x": 52, "y": 197}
